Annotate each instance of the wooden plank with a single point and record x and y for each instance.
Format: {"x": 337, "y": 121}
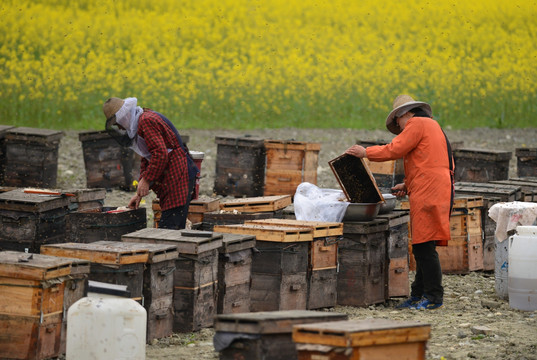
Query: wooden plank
{"x": 34, "y": 134}
{"x": 204, "y": 205}
{"x": 257, "y": 204}
{"x": 101, "y": 254}
{"x": 20, "y": 265}
{"x": 268, "y": 232}
{"x": 320, "y": 229}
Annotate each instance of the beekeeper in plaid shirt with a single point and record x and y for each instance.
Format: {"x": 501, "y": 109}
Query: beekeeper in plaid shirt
{"x": 166, "y": 167}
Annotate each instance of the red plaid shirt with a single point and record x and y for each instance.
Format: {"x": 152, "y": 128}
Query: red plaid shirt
{"x": 166, "y": 171}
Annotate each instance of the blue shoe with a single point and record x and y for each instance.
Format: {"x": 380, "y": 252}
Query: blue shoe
{"x": 413, "y": 300}
{"x": 426, "y": 304}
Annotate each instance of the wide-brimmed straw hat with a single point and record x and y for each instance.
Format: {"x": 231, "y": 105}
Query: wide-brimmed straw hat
{"x": 112, "y": 106}
{"x": 401, "y": 105}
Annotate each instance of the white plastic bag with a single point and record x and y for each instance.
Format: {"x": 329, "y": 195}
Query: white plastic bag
{"x": 315, "y": 204}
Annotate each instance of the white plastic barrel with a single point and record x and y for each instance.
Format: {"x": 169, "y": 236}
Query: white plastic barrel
{"x": 523, "y": 269}
{"x": 501, "y": 267}
{"x": 105, "y": 326}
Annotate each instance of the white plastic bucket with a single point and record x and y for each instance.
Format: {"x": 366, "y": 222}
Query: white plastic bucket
{"x": 501, "y": 268}
{"x": 523, "y": 269}
{"x": 106, "y": 327}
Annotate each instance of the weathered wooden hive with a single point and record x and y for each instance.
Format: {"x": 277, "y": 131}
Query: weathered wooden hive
{"x": 289, "y": 163}
{"x": 195, "y": 275}
{"x": 29, "y": 220}
{"x": 240, "y": 166}
{"x": 3, "y": 130}
{"x": 479, "y": 165}
{"x": 31, "y": 157}
{"x": 263, "y": 335}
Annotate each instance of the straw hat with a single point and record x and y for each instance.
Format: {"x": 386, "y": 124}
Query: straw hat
{"x": 401, "y": 105}
{"x": 112, "y": 106}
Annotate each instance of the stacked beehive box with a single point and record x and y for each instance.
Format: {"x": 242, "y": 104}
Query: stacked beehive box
{"x": 289, "y": 163}
{"x": 263, "y": 335}
{"x": 234, "y": 273}
{"x": 195, "y": 276}
{"x": 36, "y": 292}
{"x": 526, "y": 162}
{"x": 31, "y": 157}
{"x": 196, "y": 211}
{"x": 240, "y": 166}
{"x": 464, "y": 252}
{"x": 108, "y": 165}
{"x": 362, "y": 339}
{"x": 322, "y": 259}
{"x": 86, "y": 199}
{"x": 363, "y": 267}
{"x": 279, "y": 268}
{"x": 29, "y": 220}
{"x": 3, "y": 130}
{"x": 157, "y": 288}
{"x": 109, "y": 263}
{"x": 237, "y": 211}
{"x": 397, "y": 253}
{"x": 478, "y": 165}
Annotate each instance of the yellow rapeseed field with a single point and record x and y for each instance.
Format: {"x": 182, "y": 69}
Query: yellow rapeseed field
{"x": 270, "y": 63}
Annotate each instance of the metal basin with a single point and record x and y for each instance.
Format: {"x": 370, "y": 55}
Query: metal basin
{"x": 362, "y": 211}
{"x": 389, "y": 204}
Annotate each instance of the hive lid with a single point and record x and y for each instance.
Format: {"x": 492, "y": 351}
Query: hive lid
{"x": 34, "y": 134}
{"x": 18, "y": 200}
{"x": 236, "y": 242}
{"x": 355, "y": 179}
{"x": 264, "y": 232}
{"x": 292, "y": 145}
{"x": 20, "y": 265}
{"x": 110, "y": 254}
{"x": 240, "y": 141}
{"x": 272, "y": 322}
{"x": 482, "y": 154}
{"x": 257, "y": 203}
{"x": 94, "y": 135}
{"x": 186, "y": 241}
{"x": 320, "y": 228}
{"x": 157, "y": 252}
{"x": 4, "y": 129}
{"x": 356, "y": 333}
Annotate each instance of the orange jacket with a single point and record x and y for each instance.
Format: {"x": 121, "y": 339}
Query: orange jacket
{"x": 423, "y": 146}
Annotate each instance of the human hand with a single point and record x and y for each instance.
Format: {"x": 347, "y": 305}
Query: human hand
{"x": 399, "y": 190}
{"x": 134, "y": 203}
{"x": 143, "y": 188}
{"x": 356, "y": 150}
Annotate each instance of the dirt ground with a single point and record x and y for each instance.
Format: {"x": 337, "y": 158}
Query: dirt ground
{"x": 473, "y": 324}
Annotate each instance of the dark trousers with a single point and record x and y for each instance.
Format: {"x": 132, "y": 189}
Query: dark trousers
{"x": 175, "y": 218}
{"x": 428, "y": 280}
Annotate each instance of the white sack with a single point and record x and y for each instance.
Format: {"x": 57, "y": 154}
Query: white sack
{"x": 312, "y": 203}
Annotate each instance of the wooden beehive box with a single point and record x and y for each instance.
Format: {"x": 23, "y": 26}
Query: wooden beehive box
{"x": 289, "y": 163}
{"x": 86, "y": 199}
{"x": 526, "y": 165}
{"x": 528, "y": 187}
{"x": 109, "y": 263}
{"x": 479, "y": 165}
{"x": 157, "y": 285}
{"x": 279, "y": 267}
{"x": 322, "y": 259}
{"x": 386, "y": 173}
{"x": 397, "y": 252}
{"x": 3, "y": 130}
{"x": 240, "y": 166}
{"x": 256, "y": 204}
{"x": 355, "y": 179}
{"x": 234, "y": 273}
{"x": 195, "y": 275}
{"x": 363, "y": 266}
{"x": 31, "y": 157}
{"x": 264, "y": 335}
{"x": 107, "y": 164}
{"x": 362, "y": 339}
{"x": 198, "y": 208}
{"x": 107, "y": 223}
{"x": 213, "y": 218}
{"x": 35, "y": 295}
{"x": 29, "y": 220}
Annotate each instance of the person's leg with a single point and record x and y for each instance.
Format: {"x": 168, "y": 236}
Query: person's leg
{"x": 176, "y": 218}
{"x": 431, "y": 271}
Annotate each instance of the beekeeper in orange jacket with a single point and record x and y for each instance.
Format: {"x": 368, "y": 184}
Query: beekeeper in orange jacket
{"x": 428, "y": 182}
